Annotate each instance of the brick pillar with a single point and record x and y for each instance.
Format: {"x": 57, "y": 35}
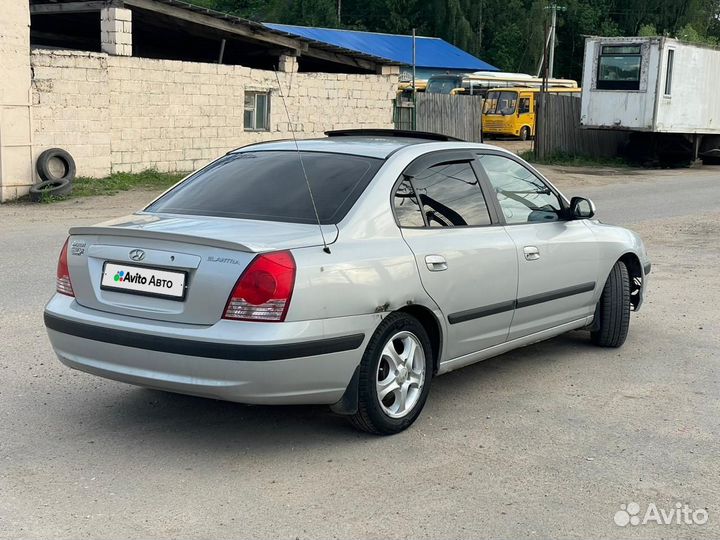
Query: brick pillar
{"x": 389, "y": 70}
{"x": 16, "y": 174}
{"x": 116, "y": 31}
{"x": 288, "y": 63}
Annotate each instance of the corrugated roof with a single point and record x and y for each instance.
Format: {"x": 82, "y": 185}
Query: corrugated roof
{"x": 431, "y": 52}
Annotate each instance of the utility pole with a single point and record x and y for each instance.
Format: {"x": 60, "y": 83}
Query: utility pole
{"x": 540, "y": 105}
{"x": 554, "y": 8}
{"x": 414, "y": 88}
{"x": 339, "y": 11}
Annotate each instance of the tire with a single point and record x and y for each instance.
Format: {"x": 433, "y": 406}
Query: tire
{"x": 45, "y": 172}
{"x": 613, "y": 309}
{"x": 50, "y": 188}
{"x": 524, "y": 133}
{"x": 388, "y": 416}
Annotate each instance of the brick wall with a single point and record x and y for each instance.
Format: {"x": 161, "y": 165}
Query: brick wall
{"x": 129, "y": 114}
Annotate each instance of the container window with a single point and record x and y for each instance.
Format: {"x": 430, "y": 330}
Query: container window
{"x": 619, "y": 67}
{"x": 668, "y": 74}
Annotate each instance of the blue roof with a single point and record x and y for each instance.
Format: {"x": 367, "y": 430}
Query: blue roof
{"x": 430, "y": 52}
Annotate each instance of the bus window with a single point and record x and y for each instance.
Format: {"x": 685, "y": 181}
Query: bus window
{"x": 524, "y": 106}
{"x": 502, "y": 103}
{"x": 442, "y": 85}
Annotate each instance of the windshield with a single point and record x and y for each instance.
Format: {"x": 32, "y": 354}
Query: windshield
{"x": 501, "y": 103}
{"x": 270, "y": 186}
{"x": 442, "y": 85}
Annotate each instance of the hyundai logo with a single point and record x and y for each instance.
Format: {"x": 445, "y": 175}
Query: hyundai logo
{"x": 137, "y": 254}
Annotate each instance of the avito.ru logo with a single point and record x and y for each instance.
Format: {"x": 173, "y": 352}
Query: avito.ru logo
{"x": 121, "y": 276}
{"x": 681, "y": 514}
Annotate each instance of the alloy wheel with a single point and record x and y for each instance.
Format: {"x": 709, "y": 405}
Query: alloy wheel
{"x": 400, "y": 374}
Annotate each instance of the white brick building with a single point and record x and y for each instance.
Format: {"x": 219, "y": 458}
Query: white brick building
{"x": 115, "y": 110}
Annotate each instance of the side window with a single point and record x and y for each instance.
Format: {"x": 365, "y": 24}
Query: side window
{"x": 524, "y": 105}
{"x": 407, "y": 207}
{"x": 450, "y": 196}
{"x": 668, "y": 73}
{"x": 523, "y": 197}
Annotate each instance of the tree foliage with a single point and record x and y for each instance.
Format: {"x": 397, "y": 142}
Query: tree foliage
{"x": 506, "y": 33}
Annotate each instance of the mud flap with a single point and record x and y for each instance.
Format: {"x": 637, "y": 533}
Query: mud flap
{"x": 348, "y": 403}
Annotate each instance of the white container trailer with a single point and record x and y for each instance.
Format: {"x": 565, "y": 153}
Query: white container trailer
{"x": 654, "y": 85}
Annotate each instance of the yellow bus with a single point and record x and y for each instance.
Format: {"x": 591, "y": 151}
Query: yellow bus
{"x": 511, "y": 111}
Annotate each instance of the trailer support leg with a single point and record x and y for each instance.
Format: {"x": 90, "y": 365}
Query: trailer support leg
{"x": 697, "y": 139}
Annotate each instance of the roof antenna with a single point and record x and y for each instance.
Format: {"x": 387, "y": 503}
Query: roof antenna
{"x": 326, "y": 248}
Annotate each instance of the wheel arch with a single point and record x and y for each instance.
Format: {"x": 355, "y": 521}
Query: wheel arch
{"x": 635, "y": 271}
{"x": 348, "y": 403}
{"x": 432, "y": 326}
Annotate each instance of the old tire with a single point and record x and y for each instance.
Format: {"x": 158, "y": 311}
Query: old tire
{"x": 50, "y": 188}
{"x": 524, "y": 133}
{"x": 393, "y": 388}
{"x": 613, "y": 309}
{"x": 47, "y": 169}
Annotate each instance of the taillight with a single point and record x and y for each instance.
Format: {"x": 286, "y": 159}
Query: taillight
{"x": 63, "y": 283}
{"x": 264, "y": 289}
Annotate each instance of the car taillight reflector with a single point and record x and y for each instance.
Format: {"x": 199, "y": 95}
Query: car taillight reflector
{"x": 264, "y": 289}
{"x": 63, "y": 284}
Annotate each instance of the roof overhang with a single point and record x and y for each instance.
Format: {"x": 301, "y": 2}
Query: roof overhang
{"x": 225, "y": 24}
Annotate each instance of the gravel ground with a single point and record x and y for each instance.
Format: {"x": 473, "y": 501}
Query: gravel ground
{"x": 546, "y": 441}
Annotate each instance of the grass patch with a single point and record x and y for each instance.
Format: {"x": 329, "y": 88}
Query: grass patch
{"x": 115, "y": 183}
{"x": 121, "y": 181}
{"x": 574, "y": 160}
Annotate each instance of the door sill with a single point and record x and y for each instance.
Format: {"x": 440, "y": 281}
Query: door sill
{"x": 495, "y": 350}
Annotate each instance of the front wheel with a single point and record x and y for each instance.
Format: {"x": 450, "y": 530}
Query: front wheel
{"x": 395, "y": 375}
{"x": 613, "y": 310}
{"x": 524, "y": 133}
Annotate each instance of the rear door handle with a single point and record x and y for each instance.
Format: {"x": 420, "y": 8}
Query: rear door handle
{"x": 435, "y": 263}
{"x": 531, "y": 253}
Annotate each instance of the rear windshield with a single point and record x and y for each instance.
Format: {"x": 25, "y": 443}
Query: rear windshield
{"x": 270, "y": 186}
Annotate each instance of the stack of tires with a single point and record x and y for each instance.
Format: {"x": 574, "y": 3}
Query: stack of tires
{"x": 56, "y": 169}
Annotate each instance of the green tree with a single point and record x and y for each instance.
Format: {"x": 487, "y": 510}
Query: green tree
{"x": 507, "y": 33}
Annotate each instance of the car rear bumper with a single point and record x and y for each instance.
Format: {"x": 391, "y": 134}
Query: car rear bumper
{"x": 263, "y": 363}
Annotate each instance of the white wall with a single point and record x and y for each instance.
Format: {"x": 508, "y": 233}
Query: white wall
{"x": 693, "y": 105}
{"x": 15, "y": 128}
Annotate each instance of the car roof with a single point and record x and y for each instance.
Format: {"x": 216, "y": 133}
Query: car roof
{"x": 375, "y": 146}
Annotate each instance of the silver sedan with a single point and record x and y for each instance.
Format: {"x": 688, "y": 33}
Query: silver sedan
{"x": 348, "y": 270}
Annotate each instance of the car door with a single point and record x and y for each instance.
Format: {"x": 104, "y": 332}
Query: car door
{"x": 557, "y": 257}
{"x": 466, "y": 259}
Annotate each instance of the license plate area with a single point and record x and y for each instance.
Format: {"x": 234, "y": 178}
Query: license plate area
{"x": 144, "y": 280}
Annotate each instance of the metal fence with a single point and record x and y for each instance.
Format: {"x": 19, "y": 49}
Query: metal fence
{"x": 457, "y": 116}
{"x": 558, "y": 131}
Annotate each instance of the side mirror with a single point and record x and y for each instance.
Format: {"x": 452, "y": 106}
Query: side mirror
{"x": 581, "y": 208}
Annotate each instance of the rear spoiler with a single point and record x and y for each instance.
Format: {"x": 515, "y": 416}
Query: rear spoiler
{"x": 100, "y": 230}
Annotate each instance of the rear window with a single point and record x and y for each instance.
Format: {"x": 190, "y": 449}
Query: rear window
{"x": 270, "y": 186}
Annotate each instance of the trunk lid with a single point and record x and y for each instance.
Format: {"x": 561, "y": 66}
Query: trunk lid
{"x": 210, "y": 252}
